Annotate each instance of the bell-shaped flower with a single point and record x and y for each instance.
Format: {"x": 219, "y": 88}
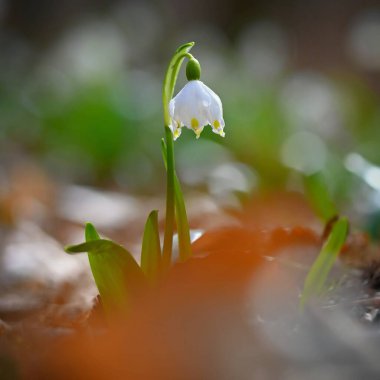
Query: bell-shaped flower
{"x": 194, "y": 107}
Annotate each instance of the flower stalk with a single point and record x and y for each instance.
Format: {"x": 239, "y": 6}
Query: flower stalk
{"x": 167, "y": 93}
{"x": 169, "y": 221}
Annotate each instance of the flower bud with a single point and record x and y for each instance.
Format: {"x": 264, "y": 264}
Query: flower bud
{"x": 193, "y": 69}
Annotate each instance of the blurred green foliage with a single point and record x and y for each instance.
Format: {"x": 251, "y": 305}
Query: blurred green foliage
{"x": 104, "y": 128}
{"x": 91, "y": 129}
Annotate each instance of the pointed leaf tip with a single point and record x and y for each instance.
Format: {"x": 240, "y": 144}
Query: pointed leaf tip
{"x": 90, "y": 232}
{"x": 153, "y": 213}
{"x": 151, "y": 247}
{"x": 69, "y": 249}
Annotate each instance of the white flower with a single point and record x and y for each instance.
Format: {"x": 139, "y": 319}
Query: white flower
{"x": 194, "y": 107}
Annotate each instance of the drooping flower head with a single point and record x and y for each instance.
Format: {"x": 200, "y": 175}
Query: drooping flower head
{"x": 196, "y": 105}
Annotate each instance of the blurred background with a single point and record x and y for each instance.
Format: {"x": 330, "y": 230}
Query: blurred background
{"x": 80, "y": 100}
{"x": 81, "y": 122}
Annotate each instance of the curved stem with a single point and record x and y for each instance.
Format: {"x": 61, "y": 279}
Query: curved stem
{"x": 167, "y": 93}
{"x": 171, "y": 77}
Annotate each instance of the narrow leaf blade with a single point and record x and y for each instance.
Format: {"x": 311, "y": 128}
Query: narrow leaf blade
{"x": 317, "y": 276}
{"x": 151, "y": 248}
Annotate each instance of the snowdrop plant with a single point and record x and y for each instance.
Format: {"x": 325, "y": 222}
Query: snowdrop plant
{"x": 194, "y": 107}
{"x": 117, "y": 275}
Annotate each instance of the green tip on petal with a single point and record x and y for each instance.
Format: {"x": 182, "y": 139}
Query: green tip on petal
{"x": 193, "y": 69}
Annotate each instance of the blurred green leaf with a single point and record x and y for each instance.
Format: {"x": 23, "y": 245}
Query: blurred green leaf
{"x": 322, "y": 266}
{"x": 151, "y": 248}
{"x": 117, "y": 275}
{"x": 92, "y": 130}
{"x": 183, "y": 229}
{"x": 319, "y": 196}
{"x": 260, "y": 128}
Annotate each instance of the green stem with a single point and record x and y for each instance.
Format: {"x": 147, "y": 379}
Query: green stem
{"x": 183, "y": 230}
{"x": 171, "y": 77}
{"x": 169, "y": 222}
{"x": 167, "y": 93}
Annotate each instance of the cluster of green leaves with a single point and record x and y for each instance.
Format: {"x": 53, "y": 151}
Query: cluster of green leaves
{"x": 117, "y": 275}
{"x": 120, "y": 279}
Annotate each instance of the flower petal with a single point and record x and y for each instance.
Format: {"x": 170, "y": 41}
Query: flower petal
{"x": 194, "y": 107}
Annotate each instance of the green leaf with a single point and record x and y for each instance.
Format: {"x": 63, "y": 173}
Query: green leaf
{"x": 317, "y": 276}
{"x": 117, "y": 275}
{"x": 319, "y": 197}
{"x": 151, "y": 248}
{"x": 183, "y": 229}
